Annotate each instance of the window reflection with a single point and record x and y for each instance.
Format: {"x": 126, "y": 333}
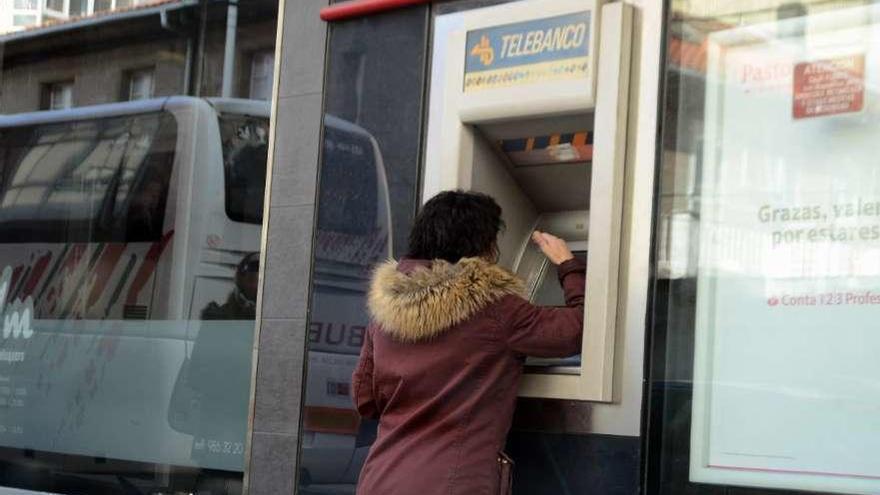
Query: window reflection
{"x": 767, "y": 142}
{"x": 130, "y": 225}
{"x": 245, "y": 150}
{"x": 73, "y": 182}
{"x": 353, "y": 234}
{"x": 88, "y": 225}
{"x": 366, "y": 197}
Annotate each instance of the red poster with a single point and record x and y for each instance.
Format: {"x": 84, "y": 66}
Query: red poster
{"x": 829, "y": 87}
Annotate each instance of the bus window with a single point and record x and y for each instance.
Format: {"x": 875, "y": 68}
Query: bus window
{"x": 245, "y": 153}
{"x": 90, "y": 181}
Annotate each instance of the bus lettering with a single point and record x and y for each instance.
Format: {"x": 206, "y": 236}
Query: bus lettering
{"x": 17, "y": 318}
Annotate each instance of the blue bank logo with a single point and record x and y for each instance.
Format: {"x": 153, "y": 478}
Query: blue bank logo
{"x": 541, "y": 50}
{"x": 538, "y": 41}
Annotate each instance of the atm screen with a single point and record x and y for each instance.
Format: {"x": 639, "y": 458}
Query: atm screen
{"x": 549, "y": 293}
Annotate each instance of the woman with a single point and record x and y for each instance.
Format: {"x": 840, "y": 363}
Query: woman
{"x": 442, "y": 359}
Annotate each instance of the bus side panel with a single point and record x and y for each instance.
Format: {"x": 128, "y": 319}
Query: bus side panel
{"x": 90, "y": 375}
{"x": 85, "y": 280}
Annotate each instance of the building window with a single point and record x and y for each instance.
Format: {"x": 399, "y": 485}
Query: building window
{"x": 357, "y": 161}
{"x": 262, "y": 66}
{"x": 79, "y": 8}
{"x": 57, "y": 95}
{"x": 139, "y": 84}
{"x": 56, "y": 5}
{"x": 103, "y": 5}
{"x": 25, "y": 4}
{"x": 24, "y": 20}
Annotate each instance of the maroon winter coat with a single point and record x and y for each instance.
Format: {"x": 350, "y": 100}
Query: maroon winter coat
{"x": 441, "y": 365}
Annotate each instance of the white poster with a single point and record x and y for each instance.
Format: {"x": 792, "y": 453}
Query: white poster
{"x": 787, "y": 359}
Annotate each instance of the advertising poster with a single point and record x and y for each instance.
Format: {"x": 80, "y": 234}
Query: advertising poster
{"x": 787, "y": 358}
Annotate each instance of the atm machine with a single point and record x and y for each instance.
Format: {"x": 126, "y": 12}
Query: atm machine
{"x": 528, "y": 103}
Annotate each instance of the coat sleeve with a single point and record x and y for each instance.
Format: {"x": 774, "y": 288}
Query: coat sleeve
{"x": 549, "y": 331}
{"x": 362, "y": 380}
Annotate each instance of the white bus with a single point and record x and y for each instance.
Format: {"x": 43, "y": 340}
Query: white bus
{"x": 129, "y": 235}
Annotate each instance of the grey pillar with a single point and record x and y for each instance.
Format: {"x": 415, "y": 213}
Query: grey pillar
{"x": 279, "y": 346}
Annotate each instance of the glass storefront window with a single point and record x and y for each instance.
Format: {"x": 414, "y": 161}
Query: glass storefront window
{"x": 763, "y": 364}
{"x": 131, "y": 199}
{"x": 366, "y": 201}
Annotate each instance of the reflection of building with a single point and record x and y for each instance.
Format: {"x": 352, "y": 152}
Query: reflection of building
{"x": 687, "y": 52}
{"x": 740, "y": 12}
{"x": 23, "y": 14}
{"x": 143, "y": 50}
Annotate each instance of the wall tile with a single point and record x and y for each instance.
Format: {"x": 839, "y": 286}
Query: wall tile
{"x": 273, "y": 464}
{"x": 302, "y": 63}
{"x": 288, "y": 249}
{"x": 297, "y": 142}
{"x": 279, "y": 376}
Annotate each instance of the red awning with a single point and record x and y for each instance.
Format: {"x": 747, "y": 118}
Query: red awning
{"x": 359, "y": 8}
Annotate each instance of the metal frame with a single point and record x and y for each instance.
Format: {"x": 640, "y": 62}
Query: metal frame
{"x": 359, "y": 8}
{"x": 595, "y": 380}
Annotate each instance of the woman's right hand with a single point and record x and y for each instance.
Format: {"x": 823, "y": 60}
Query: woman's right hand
{"x": 553, "y": 247}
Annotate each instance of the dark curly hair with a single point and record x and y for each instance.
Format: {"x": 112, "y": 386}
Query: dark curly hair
{"x": 454, "y": 225}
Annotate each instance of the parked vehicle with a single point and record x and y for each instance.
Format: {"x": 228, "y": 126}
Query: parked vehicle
{"x": 128, "y": 241}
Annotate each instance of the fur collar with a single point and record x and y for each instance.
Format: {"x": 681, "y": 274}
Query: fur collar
{"x": 422, "y": 304}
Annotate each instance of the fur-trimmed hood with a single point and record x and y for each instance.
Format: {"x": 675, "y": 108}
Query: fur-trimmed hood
{"x": 423, "y": 299}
